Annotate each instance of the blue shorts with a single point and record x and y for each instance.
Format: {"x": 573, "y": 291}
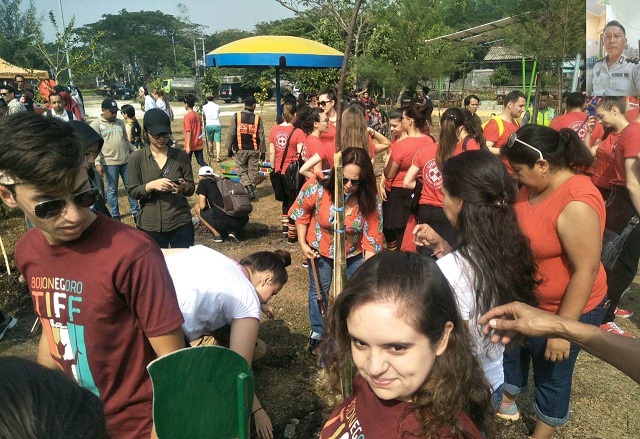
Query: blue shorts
{"x": 214, "y": 133}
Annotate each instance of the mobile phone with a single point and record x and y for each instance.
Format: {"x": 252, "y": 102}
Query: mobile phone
{"x": 176, "y": 181}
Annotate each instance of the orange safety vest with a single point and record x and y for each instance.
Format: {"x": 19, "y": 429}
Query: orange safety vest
{"x": 247, "y": 130}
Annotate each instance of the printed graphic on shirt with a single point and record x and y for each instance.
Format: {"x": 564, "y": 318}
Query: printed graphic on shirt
{"x": 281, "y": 139}
{"x": 348, "y": 426}
{"x": 431, "y": 174}
{"x": 580, "y": 127}
{"x": 58, "y": 304}
{"x": 247, "y": 128}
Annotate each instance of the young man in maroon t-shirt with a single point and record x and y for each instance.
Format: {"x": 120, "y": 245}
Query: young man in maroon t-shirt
{"x": 100, "y": 288}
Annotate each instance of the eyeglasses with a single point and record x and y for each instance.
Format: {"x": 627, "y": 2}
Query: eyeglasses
{"x": 325, "y": 121}
{"x": 157, "y": 136}
{"x": 49, "y": 209}
{"x": 323, "y": 103}
{"x": 514, "y": 138}
{"x": 3, "y": 94}
{"x": 354, "y": 182}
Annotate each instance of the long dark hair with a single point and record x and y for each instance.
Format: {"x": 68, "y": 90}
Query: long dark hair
{"x": 489, "y": 237}
{"x": 307, "y": 116}
{"x": 367, "y": 191}
{"x": 421, "y": 114}
{"x": 473, "y": 127}
{"x": 451, "y": 120}
{"x": 275, "y": 262}
{"x": 38, "y": 403}
{"x": 562, "y": 149}
{"x": 415, "y": 284}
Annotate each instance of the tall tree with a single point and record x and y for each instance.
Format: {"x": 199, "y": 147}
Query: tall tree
{"x": 16, "y": 33}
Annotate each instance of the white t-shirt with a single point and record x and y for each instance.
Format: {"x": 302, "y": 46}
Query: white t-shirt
{"x": 212, "y": 290}
{"x": 460, "y": 276}
{"x": 211, "y": 112}
{"x": 149, "y": 103}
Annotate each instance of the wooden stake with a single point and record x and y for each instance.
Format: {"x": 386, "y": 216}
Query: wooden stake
{"x": 6, "y": 259}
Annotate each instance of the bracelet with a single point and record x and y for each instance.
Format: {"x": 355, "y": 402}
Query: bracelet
{"x": 257, "y": 410}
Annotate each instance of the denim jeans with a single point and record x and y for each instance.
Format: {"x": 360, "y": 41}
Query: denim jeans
{"x": 552, "y": 381}
{"x": 199, "y": 157}
{"x": 182, "y": 237}
{"x": 113, "y": 171}
{"x": 325, "y": 276}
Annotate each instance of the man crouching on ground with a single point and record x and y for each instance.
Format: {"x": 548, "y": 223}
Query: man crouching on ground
{"x": 101, "y": 288}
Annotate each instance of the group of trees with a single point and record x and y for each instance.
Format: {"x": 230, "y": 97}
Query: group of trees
{"x": 389, "y": 47}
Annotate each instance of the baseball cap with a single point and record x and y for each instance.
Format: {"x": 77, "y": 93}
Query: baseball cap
{"x": 110, "y": 104}
{"x": 156, "y": 122}
{"x": 205, "y": 170}
{"x": 249, "y": 101}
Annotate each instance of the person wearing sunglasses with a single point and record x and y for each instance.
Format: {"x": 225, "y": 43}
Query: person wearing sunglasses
{"x": 562, "y": 213}
{"x": 327, "y": 103}
{"x": 100, "y": 288}
{"x": 7, "y": 93}
{"x": 314, "y": 215}
{"x": 161, "y": 179}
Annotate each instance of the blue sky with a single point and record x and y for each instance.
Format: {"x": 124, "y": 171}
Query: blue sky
{"x": 215, "y": 14}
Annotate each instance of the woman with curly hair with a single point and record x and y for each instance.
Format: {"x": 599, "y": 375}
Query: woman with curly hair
{"x": 479, "y": 196}
{"x": 417, "y": 375}
{"x": 314, "y": 214}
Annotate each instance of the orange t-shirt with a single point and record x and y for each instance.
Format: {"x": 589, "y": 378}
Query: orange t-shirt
{"x": 492, "y": 134}
{"x": 315, "y": 208}
{"x": 425, "y": 159}
{"x": 539, "y": 223}
{"x": 602, "y": 169}
{"x": 403, "y": 153}
{"x": 627, "y": 146}
{"x": 576, "y": 120}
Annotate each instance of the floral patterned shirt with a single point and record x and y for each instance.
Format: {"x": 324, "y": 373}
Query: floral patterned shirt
{"x": 317, "y": 211}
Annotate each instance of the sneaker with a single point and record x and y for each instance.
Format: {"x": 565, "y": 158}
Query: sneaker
{"x": 232, "y": 237}
{"x": 305, "y": 263}
{"x": 217, "y": 238}
{"x": 623, "y": 313}
{"x": 9, "y": 322}
{"x": 508, "y": 411}
{"x": 615, "y": 329}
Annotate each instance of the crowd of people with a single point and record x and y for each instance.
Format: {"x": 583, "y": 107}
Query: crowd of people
{"x": 471, "y": 232}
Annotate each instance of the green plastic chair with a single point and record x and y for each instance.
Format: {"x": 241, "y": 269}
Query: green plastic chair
{"x": 202, "y": 392}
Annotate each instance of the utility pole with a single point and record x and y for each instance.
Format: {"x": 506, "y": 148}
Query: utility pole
{"x": 66, "y": 49}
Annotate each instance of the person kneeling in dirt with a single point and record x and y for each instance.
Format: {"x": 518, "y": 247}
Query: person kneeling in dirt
{"x": 213, "y": 217}
{"x": 228, "y": 308}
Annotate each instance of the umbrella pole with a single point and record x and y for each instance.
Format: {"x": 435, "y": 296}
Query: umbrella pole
{"x": 278, "y": 104}
{"x": 340, "y": 266}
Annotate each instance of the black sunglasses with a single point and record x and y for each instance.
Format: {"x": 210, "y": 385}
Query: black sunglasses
{"x": 157, "y": 136}
{"x": 50, "y": 208}
{"x": 354, "y": 182}
{"x": 323, "y": 103}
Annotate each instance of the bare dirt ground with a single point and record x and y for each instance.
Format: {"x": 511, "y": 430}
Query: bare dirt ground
{"x": 605, "y": 403}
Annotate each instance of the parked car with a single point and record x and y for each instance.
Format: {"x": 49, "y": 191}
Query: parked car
{"x": 116, "y": 91}
{"x": 236, "y": 92}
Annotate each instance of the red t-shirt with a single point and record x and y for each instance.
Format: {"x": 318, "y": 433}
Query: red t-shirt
{"x": 472, "y": 145}
{"x": 627, "y": 146}
{"x": 326, "y": 152}
{"x": 425, "y": 159}
{"x": 492, "y": 134}
{"x": 602, "y": 169}
{"x": 597, "y": 133}
{"x": 540, "y": 224}
{"x": 330, "y": 135}
{"x": 191, "y": 122}
{"x": 279, "y": 135}
{"x": 632, "y": 114}
{"x": 298, "y": 137}
{"x": 403, "y": 153}
{"x": 576, "y": 120}
{"x": 311, "y": 145}
{"x": 364, "y": 415}
{"x": 99, "y": 299}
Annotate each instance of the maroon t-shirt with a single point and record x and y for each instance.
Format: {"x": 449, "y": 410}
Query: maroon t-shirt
{"x": 364, "y": 415}
{"x": 99, "y": 298}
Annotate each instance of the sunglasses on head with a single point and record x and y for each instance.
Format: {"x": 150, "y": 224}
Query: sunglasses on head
{"x": 514, "y": 138}
{"x": 354, "y": 182}
{"x": 50, "y": 208}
